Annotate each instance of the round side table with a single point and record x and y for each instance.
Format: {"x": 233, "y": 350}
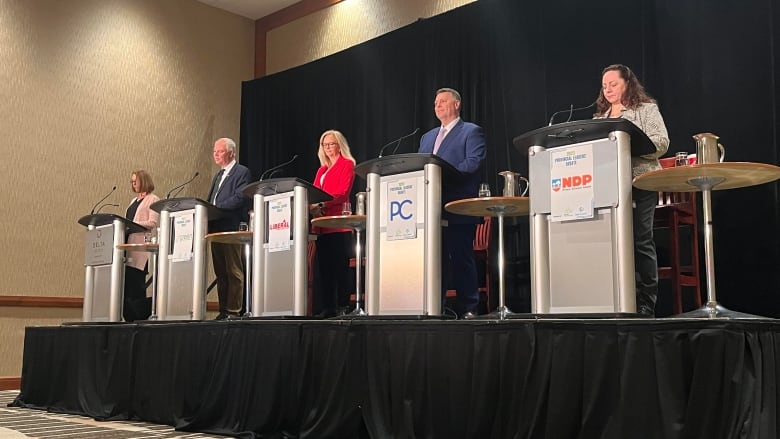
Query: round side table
{"x": 496, "y": 207}
{"x": 243, "y": 238}
{"x": 153, "y": 249}
{"x": 706, "y": 178}
{"x": 358, "y": 224}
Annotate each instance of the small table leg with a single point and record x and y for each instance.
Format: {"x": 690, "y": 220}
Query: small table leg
{"x": 502, "y": 311}
{"x": 711, "y": 309}
{"x": 248, "y": 280}
{"x": 153, "y": 268}
{"x": 358, "y": 311}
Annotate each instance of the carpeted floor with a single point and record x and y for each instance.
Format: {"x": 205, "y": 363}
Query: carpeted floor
{"x": 28, "y": 423}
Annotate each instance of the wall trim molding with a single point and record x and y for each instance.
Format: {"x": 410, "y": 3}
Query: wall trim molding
{"x": 42, "y": 301}
{"x": 61, "y": 302}
{"x": 10, "y": 383}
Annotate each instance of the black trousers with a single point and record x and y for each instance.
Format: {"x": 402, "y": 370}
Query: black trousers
{"x": 645, "y": 257}
{"x": 135, "y": 306}
{"x": 458, "y": 266}
{"x": 333, "y": 281}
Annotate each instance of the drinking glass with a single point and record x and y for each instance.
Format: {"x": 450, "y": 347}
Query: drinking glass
{"x": 484, "y": 190}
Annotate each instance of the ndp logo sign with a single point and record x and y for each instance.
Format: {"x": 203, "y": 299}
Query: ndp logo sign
{"x": 402, "y": 209}
{"x": 573, "y": 182}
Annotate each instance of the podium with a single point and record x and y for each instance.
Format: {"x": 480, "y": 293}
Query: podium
{"x": 280, "y": 235}
{"x": 582, "y": 264}
{"x": 104, "y": 265}
{"x": 181, "y": 262}
{"x": 403, "y": 233}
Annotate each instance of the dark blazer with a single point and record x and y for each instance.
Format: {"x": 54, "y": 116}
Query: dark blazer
{"x": 464, "y": 149}
{"x": 232, "y": 199}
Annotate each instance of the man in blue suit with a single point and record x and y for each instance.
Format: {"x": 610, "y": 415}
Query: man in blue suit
{"x": 461, "y": 144}
{"x": 225, "y": 194}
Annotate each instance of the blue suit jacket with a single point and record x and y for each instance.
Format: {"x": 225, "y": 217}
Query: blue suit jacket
{"x": 232, "y": 199}
{"x": 464, "y": 149}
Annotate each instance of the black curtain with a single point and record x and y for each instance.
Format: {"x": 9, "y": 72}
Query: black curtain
{"x": 709, "y": 63}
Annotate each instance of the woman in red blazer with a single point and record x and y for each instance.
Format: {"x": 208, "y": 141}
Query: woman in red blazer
{"x": 334, "y": 246}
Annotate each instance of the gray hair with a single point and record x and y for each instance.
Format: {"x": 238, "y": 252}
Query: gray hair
{"x": 452, "y": 91}
{"x": 229, "y": 144}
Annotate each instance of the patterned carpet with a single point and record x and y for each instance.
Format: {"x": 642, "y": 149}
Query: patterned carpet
{"x": 26, "y": 423}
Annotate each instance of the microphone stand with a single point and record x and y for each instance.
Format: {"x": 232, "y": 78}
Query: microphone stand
{"x": 181, "y": 186}
{"x": 271, "y": 171}
{"x": 104, "y": 205}
{"x": 571, "y": 111}
{"x": 398, "y": 142}
{"x": 102, "y": 199}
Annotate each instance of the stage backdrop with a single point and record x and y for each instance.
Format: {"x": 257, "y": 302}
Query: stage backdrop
{"x": 709, "y": 64}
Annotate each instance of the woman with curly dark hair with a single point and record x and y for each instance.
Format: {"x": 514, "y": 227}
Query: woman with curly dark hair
{"x": 623, "y": 96}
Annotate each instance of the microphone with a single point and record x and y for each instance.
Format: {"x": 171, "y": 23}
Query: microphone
{"x": 571, "y": 111}
{"x": 181, "y": 186}
{"x": 271, "y": 171}
{"x": 398, "y": 141}
{"x": 107, "y": 204}
{"x": 102, "y": 199}
{"x": 274, "y": 173}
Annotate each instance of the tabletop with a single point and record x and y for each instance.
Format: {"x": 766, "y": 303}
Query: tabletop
{"x": 726, "y": 175}
{"x": 143, "y": 247}
{"x": 340, "y": 221}
{"x": 489, "y": 206}
{"x": 242, "y": 237}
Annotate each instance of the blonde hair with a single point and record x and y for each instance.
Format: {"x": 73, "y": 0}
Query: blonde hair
{"x": 343, "y": 148}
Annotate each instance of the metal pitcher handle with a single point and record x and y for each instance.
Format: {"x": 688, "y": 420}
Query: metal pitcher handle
{"x": 527, "y": 185}
{"x": 722, "y": 152}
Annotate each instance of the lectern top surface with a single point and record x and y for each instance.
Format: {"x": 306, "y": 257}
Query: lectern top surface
{"x": 179, "y": 204}
{"x": 489, "y": 206}
{"x": 401, "y": 163}
{"x": 101, "y": 219}
{"x": 340, "y": 221}
{"x": 237, "y": 237}
{"x": 282, "y": 185}
{"x": 719, "y": 176}
{"x": 569, "y": 133}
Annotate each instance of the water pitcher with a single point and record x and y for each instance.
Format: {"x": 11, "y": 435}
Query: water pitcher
{"x": 512, "y": 184}
{"x": 708, "y": 148}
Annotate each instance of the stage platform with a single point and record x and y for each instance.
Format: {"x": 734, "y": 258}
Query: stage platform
{"x": 407, "y": 378}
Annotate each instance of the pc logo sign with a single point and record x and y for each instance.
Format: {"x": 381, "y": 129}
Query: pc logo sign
{"x": 397, "y": 209}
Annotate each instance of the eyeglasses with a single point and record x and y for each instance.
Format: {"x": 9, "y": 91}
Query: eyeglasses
{"x": 329, "y": 145}
{"x": 133, "y": 181}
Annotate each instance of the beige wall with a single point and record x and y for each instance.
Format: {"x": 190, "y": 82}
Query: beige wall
{"x": 92, "y": 89}
{"x": 344, "y": 25}
{"x": 89, "y": 91}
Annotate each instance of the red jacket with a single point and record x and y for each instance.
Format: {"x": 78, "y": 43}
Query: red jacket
{"x": 338, "y": 184}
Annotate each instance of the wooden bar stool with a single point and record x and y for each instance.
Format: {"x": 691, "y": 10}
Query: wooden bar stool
{"x": 674, "y": 211}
